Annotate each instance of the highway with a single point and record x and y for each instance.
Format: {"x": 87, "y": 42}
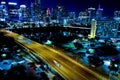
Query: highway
{"x": 62, "y": 64}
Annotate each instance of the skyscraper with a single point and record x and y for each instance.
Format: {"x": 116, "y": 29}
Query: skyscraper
{"x": 93, "y": 29}
{"x": 99, "y": 13}
{"x": 61, "y": 13}
{"x": 71, "y": 15}
{"x": 3, "y": 11}
{"x": 117, "y": 16}
{"x": 24, "y": 14}
{"x": 83, "y": 17}
{"x": 48, "y": 11}
{"x": 32, "y": 12}
{"x": 37, "y": 10}
{"x": 91, "y": 14}
{"x": 13, "y": 11}
{"x": 116, "y": 13}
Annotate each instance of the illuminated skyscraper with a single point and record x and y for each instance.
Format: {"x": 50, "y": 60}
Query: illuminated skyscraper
{"x": 48, "y": 11}
{"x": 61, "y": 13}
{"x": 13, "y": 11}
{"x": 3, "y": 11}
{"x": 48, "y": 15}
{"x": 99, "y": 13}
{"x": 116, "y": 13}
{"x": 117, "y": 16}
{"x": 37, "y": 10}
{"x": 24, "y": 14}
{"x": 83, "y": 17}
{"x": 71, "y": 15}
{"x": 91, "y": 14}
{"x": 93, "y": 29}
{"x": 32, "y": 12}
{"x": 45, "y": 15}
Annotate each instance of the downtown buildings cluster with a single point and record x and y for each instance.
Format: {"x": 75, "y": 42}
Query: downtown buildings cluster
{"x": 106, "y": 26}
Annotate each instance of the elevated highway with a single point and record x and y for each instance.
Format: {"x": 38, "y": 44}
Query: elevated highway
{"x": 62, "y": 64}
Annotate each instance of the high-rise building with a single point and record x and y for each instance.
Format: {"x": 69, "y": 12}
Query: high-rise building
{"x": 71, "y": 15}
{"x": 93, "y": 29}
{"x": 37, "y": 10}
{"x": 3, "y": 11}
{"x": 32, "y": 12}
{"x": 99, "y": 13}
{"x": 13, "y": 11}
{"x": 117, "y": 16}
{"x": 59, "y": 13}
{"x": 45, "y": 15}
{"x": 54, "y": 13}
{"x": 83, "y": 17}
{"x": 24, "y": 14}
{"x": 48, "y": 11}
{"x": 91, "y": 14}
{"x": 116, "y": 13}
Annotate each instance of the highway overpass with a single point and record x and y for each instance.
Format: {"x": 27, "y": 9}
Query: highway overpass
{"x": 68, "y": 68}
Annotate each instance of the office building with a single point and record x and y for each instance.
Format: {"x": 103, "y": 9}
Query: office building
{"x": 117, "y": 16}
{"x": 71, "y": 15}
{"x": 99, "y": 13}
{"x": 3, "y": 11}
{"x": 13, "y": 11}
{"x": 116, "y": 13}
{"x": 37, "y": 10}
{"x": 93, "y": 29}
{"x": 91, "y": 14}
{"x": 45, "y": 15}
{"x": 83, "y": 18}
{"x": 59, "y": 13}
{"x": 24, "y": 14}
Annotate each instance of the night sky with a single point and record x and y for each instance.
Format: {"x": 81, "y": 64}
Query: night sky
{"x": 78, "y": 5}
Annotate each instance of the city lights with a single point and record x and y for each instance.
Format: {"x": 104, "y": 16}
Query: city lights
{"x": 59, "y": 40}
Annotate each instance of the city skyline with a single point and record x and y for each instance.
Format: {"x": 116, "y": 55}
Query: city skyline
{"x": 76, "y": 5}
{"x": 42, "y": 39}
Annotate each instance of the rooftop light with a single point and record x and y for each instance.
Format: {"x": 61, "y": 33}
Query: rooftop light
{"x": 12, "y": 3}
{"x": 3, "y": 2}
{"x": 23, "y": 6}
